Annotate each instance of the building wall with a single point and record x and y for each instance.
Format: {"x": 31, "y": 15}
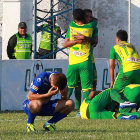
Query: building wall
{"x": 1, "y": 9}
{"x": 14, "y": 11}
{"x": 112, "y": 15}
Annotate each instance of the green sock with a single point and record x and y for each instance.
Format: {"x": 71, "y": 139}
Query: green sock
{"x": 77, "y": 98}
{"x": 86, "y": 96}
{"x": 70, "y": 90}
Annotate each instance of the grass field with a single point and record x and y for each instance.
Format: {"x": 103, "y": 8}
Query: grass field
{"x": 13, "y": 127}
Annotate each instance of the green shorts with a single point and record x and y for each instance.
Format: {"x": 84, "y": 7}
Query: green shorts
{"x": 124, "y": 79}
{"x": 82, "y": 71}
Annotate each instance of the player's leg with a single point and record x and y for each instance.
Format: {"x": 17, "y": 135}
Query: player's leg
{"x": 128, "y": 116}
{"x": 132, "y": 93}
{"x": 59, "y": 109}
{"x": 86, "y": 77}
{"x": 136, "y": 79}
{"x": 94, "y": 82}
{"x": 125, "y": 104}
{"x": 113, "y": 115}
{"x": 78, "y": 99}
{"x": 72, "y": 78}
{"x": 31, "y": 116}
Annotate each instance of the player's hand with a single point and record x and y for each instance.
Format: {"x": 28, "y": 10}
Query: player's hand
{"x": 79, "y": 36}
{"x": 78, "y": 41}
{"x": 53, "y": 91}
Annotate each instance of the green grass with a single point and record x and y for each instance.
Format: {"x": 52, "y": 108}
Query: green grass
{"x": 13, "y": 127}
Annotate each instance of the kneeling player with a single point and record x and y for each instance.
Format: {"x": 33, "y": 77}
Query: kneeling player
{"x": 102, "y": 106}
{"x": 39, "y": 101}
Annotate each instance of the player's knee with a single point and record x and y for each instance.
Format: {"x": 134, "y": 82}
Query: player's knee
{"x": 34, "y": 106}
{"x": 70, "y": 104}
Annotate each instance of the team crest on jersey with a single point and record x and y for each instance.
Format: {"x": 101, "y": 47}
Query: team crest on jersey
{"x": 77, "y": 53}
{"x": 38, "y": 79}
{"x": 34, "y": 87}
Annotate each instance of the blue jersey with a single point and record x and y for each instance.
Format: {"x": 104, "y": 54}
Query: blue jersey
{"x": 41, "y": 83}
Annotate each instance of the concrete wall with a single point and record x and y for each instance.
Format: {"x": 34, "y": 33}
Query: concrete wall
{"x": 112, "y": 15}
{"x": 1, "y": 9}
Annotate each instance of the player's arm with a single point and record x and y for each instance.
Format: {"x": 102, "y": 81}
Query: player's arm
{"x": 111, "y": 69}
{"x": 93, "y": 94}
{"x": 112, "y": 58}
{"x": 84, "y": 38}
{"x": 34, "y": 96}
{"x": 69, "y": 43}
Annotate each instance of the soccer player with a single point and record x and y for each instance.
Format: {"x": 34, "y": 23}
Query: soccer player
{"x": 102, "y": 106}
{"x": 80, "y": 63}
{"x": 88, "y": 18}
{"x": 39, "y": 101}
{"x": 128, "y": 58}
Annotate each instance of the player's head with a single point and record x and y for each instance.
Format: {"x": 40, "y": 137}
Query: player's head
{"x": 58, "y": 80}
{"x": 121, "y": 35}
{"x": 78, "y": 15}
{"x": 88, "y": 15}
{"x": 22, "y": 28}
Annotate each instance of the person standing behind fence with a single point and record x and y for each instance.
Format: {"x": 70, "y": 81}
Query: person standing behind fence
{"x": 20, "y": 44}
{"x": 45, "y": 43}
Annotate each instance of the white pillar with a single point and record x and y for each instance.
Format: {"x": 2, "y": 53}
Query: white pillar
{"x": 14, "y": 11}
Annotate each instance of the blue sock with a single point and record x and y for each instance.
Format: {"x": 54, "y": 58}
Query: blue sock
{"x": 31, "y": 117}
{"x": 57, "y": 117}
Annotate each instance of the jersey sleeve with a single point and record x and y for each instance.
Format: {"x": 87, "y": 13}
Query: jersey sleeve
{"x": 112, "y": 53}
{"x": 68, "y": 33}
{"x": 10, "y": 47}
{"x": 35, "y": 85}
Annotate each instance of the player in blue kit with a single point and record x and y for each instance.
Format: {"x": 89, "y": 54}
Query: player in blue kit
{"x": 39, "y": 103}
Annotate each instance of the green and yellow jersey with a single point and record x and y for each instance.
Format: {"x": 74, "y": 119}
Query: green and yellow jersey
{"x": 80, "y": 52}
{"x": 127, "y": 56}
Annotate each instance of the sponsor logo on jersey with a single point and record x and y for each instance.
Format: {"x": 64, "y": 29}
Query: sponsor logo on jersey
{"x": 132, "y": 59}
{"x": 77, "y": 53}
{"x": 34, "y": 87}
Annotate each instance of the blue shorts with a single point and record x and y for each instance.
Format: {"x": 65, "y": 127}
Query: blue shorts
{"x": 48, "y": 109}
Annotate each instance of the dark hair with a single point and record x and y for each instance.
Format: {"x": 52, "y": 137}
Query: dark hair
{"x": 60, "y": 80}
{"x": 87, "y": 11}
{"x": 122, "y": 35}
{"x": 78, "y": 14}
